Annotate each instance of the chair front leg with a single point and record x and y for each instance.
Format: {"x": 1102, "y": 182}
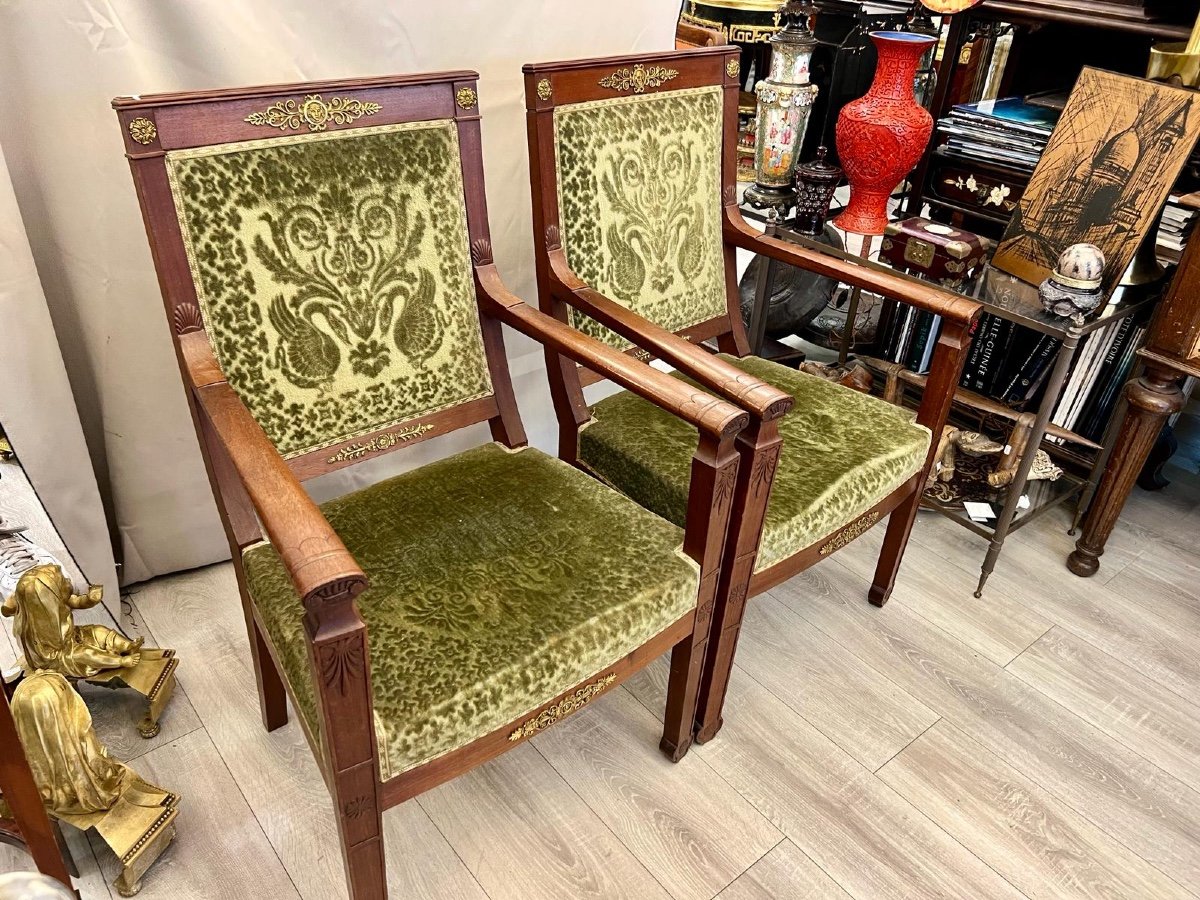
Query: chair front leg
{"x": 948, "y": 359}
{"x": 760, "y": 446}
{"x": 714, "y": 478}
{"x": 341, "y": 665}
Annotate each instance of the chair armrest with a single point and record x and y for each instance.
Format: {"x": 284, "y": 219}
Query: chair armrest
{"x": 320, "y": 566}
{"x": 763, "y": 401}
{"x": 928, "y": 297}
{"x": 709, "y": 414}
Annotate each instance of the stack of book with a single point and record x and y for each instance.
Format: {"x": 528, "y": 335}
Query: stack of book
{"x": 1176, "y": 225}
{"x": 1008, "y": 362}
{"x": 1010, "y": 132}
{"x": 910, "y": 338}
{"x": 1102, "y": 365}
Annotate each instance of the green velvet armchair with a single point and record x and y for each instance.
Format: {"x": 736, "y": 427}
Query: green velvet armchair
{"x": 324, "y": 256}
{"x": 633, "y": 172}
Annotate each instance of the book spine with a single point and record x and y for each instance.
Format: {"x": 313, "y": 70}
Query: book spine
{"x": 1032, "y": 380}
{"x": 978, "y": 329}
{"x": 981, "y": 379}
{"x": 916, "y": 348}
{"x": 1000, "y": 359}
{"x": 1104, "y": 372}
{"x": 1021, "y": 370}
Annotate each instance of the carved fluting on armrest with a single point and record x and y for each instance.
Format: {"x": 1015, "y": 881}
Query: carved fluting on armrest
{"x": 318, "y": 563}
{"x": 764, "y": 401}
{"x": 708, "y": 413}
{"x": 927, "y": 297}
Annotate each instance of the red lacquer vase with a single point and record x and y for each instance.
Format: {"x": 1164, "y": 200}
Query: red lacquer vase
{"x": 881, "y": 136}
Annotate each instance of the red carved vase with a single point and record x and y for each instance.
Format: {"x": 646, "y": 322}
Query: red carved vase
{"x": 881, "y": 136}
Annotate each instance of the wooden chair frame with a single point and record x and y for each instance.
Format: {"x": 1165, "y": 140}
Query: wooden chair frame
{"x": 31, "y": 828}
{"x": 249, "y": 476}
{"x": 550, "y": 84}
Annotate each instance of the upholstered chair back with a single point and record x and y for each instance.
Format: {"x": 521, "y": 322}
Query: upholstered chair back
{"x": 639, "y": 196}
{"x": 334, "y": 276}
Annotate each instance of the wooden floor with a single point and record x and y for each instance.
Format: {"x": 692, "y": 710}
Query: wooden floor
{"x": 1043, "y": 742}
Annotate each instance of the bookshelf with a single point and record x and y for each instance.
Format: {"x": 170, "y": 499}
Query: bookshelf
{"x": 1012, "y": 300}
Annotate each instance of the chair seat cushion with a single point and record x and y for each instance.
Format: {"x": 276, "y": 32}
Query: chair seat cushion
{"x": 843, "y": 452}
{"x": 499, "y": 579}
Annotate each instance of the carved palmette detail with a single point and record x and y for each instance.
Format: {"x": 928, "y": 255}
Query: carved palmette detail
{"x": 187, "y": 318}
{"x": 562, "y": 708}
{"x": 481, "y": 251}
{"x": 342, "y": 663}
{"x": 723, "y": 490}
{"x": 729, "y": 195}
{"x": 764, "y": 469}
{"x": 553, "y": 237}
{"x": 853, "y": 531}
{"x": 358, "y": 807}
{"x": 779, "y": 407}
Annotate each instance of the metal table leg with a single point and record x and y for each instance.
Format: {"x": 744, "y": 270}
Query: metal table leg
{"x": 1062, "y": 365}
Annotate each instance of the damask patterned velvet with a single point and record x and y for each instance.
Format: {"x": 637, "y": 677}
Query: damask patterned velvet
{"x": 639, "y": 195}
{"x": 334, "y": 277}
{"x": 843, "y": 452}
{"x": 499, "y": 579}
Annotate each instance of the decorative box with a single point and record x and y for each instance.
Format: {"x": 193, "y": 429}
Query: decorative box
{"x": 949, "y": 256}
{"x": 990, "y": 192}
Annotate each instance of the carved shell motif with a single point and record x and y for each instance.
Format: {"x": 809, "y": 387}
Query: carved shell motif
{"x": 553, "y": 237}
{"x": 187, "y": 319}
{"x": 481, "y": 251}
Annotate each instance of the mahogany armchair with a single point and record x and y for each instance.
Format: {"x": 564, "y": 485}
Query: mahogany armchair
{"x": 324, "y": 256}
{"x": 633, "y": 169}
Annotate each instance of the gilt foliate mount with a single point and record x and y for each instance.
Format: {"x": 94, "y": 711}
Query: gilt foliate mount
{"x": 637, "y": 79}
{"x": 314, "y": 112}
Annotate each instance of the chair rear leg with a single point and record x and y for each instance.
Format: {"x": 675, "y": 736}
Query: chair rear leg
{"x": 900, "y": 524}
{"x": 683, "y": 687}
{"x": 272, "y": 696}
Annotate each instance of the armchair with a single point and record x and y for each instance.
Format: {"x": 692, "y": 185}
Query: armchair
{"x": 325, "y": 261}
{"x": 633, "y": 171}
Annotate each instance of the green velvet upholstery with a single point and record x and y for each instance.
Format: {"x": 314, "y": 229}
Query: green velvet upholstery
{"x": 843, "y": 452}
{"x": 499, "y": 579}
{"x": 639, "y": 195}
{"x": 334, "y": 276}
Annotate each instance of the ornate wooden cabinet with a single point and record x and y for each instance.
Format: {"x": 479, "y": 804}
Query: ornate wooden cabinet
{"x": 1171, "y": 354}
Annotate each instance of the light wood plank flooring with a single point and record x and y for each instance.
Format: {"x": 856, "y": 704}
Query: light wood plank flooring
{"x": 1041, "y": 742}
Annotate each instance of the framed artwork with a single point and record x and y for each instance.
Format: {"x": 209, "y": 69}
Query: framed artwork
{"x": 1110, "y": 164}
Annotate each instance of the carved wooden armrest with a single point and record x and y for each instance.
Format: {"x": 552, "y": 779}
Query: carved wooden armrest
{"x": 928, "y": 297}
{"x": 321, "y": 568}
{"x": 710, "y": 414}
{"x": 763, "y": 401}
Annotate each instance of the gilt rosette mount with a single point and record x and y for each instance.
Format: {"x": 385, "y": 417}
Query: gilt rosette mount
{"x": 784, "y": 99}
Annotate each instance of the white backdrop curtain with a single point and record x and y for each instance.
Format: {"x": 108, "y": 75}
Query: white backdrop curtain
{"x": 61, "y": 62}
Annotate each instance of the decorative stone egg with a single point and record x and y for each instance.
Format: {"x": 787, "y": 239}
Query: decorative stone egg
{"x": 1081, "y": 266}
{"x": 1074, "y": 288}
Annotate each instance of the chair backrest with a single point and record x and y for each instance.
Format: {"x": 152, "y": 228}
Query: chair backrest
{"x": 321, "y": 236}
{"x": 631, "y": 162}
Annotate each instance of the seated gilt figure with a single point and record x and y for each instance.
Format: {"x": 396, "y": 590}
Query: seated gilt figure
{"x": 43, "y": 610}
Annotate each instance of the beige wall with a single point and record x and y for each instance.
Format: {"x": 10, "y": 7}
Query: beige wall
{"x": 61, "y": 62}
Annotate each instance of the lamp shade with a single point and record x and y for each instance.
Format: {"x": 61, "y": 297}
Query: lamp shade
{"x": 948, "y": 6}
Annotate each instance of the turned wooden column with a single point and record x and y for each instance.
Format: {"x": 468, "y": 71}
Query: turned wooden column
{"x": 1153, "y": 398}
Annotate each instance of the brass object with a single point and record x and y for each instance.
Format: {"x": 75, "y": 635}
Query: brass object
{"x": 919, "y": 253}
{"x": 466, "y": 98}
{"x": 562, "y": 709}
{"x": 544, "y": 90}
{"x": 43, "y": 608}
{"x": 83, "y": 786}
{"x": 313, "y": 112}
{"x": 733, "y": 67}
{"x": 384, "y": 441}
{"x": 638, "y": 78}
{"x": 143, "y": 130}
{"x": 1172, "y": 63}
{"x": 853, "y": 531}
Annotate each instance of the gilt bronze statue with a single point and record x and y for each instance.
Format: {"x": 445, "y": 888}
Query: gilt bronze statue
{"x": 43, "y": 606}
{"x": 82, "y": 785}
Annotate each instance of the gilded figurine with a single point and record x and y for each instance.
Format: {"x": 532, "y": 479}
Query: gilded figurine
{"x": 43, "y": 606}
{"x": 82, "y": 785}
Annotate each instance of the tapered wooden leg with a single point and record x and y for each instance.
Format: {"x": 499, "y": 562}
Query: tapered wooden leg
{"x": 900, "y": 524}
{"x": 687, "y": 663}
{"x": 272, "y": 696}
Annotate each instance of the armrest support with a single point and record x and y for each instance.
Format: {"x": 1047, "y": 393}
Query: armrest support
{"x": 763, "y": 401}
{"x": 320, "y": 566}
{"x": 709, "y": 414}
{"x": 928, "y": 297}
